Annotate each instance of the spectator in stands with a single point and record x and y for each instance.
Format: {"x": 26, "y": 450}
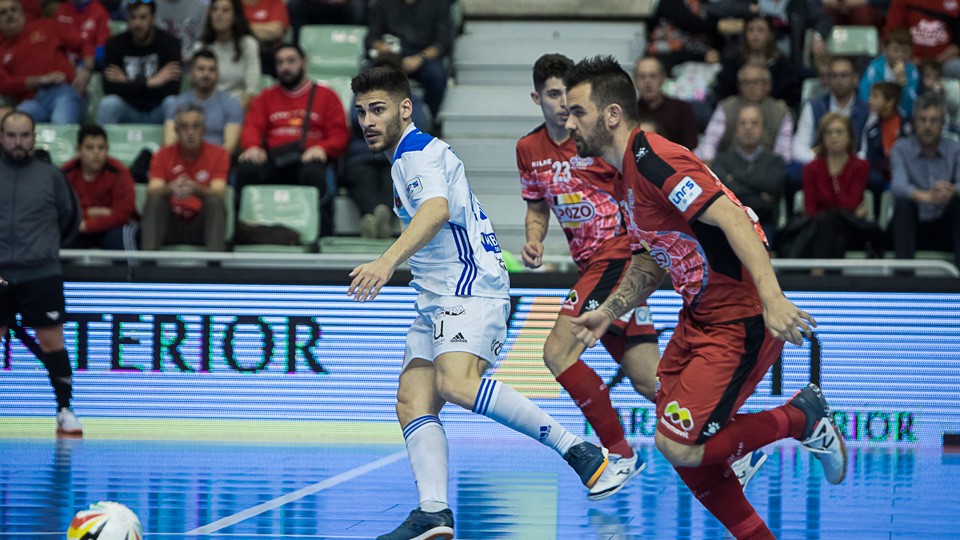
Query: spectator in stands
{"x": 924, "y": 178}
{"x": 227, "y": 35}
{"x": 754, "y": 82}
{"x": 269, "y": 21}
{"x": 35, "y": 70}
{"x": 423, "y": 31}
{"x": 833, "y": 187}
{"x": 792, "y": 19}
{"x": 45, "y": 213}
{"x": 935, "y": 28}
{"x": 303, "y": 12}
{"x": 676, "y": 116}
{"x": 755, "y": 175}
{"x": 142, "y": 70}
{"x": 931, "y": 78}
{"x": 366, "y": 174}
{"x": 185, "y": 196}
{"x": 884, "y": 127}
{"x": 279, "y": 147}
{"x": 894, "y": 65}
{"x": 842, "y": 98}
{"x": 857, "y": 12}
{"x": 105, "y": 190}
{"x": 184, "y": 20}
{"x": 91, "y": 19}
{"x": 686, "y": 31}
{"x": 221, "y": 111}
{"x": 759, "y": 46}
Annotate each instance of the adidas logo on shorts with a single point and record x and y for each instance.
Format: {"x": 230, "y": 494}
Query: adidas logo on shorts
{"x": 458, "y": 338}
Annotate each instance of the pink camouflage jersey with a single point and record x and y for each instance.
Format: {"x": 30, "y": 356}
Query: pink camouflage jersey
{"x": 664, "y": 191}
{"x": 578, "y": 191}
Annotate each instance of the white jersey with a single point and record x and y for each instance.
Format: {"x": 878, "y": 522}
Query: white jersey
{"x": 464, "y": 258}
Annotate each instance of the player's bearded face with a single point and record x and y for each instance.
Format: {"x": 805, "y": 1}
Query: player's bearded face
{"x": 386, "y": 135}
{"x": 592, "y": 140}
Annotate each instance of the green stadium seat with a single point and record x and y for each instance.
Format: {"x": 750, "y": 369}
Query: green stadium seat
{"x": 952, "y": 87}
{"x": 296, "y": 207}
{"x": 117, "y": 27}
{"x": 340, "y": 86}
{"x": 353, "y": 245}
{"x": 94, "y": 95}
{"x": 332, "y": 49}
{"x": 59, "y": 140}
{"x": 266, "y": 81}
{"x": 127, "y": 140}
{"x": 854, "y": 41}
{"x": 811, "y": 88}
{"x": 886, "y": 210}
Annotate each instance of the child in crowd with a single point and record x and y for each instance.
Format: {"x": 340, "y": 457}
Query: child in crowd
{"x": 884, "y": 126}
{"x": 894, "y": 65}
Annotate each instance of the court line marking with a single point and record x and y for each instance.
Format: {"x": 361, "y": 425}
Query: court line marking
{"x": 296, "y": 495}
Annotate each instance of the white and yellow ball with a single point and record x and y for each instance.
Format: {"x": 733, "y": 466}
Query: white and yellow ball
{"x": 105, "y": 520}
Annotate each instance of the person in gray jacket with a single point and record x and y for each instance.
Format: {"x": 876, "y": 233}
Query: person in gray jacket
{"x": 29, "y": 253}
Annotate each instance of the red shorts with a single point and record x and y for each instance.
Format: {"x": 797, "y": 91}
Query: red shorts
{"x": 593, "y": 287}
{"x": 707, "y": 372}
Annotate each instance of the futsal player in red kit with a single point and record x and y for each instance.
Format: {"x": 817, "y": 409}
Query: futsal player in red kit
{"x": 682, "y": 220}
{"x": 578, "y": 191}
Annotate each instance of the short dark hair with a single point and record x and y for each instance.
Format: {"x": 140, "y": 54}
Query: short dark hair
{"x": 189, "y": 108}
{"x": 609, "y": 83}
{"x": 293, "y": 46}
{"x": 890, "y": 91}
{"x": 550, "y": 65}
{"x": 900, "y": 36}
{"x": 927, "y": 100}
{"x": 132, "y": 4}
{"x": 17, "y": 112}
{"x": 205, "y": 54}
{"x": 90, "y": 130}
{"x": 847, "y": 59}
{"x": 388, "y": 79}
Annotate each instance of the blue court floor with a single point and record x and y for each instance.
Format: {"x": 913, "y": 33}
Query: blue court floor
{"x": 511, "y": 489}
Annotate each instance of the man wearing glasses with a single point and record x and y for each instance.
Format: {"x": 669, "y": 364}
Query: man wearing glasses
{"x": 142, "y": 69}
{"x": 185, "y": 196}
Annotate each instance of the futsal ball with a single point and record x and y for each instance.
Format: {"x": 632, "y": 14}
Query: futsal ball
{"x": 105, "y": 520}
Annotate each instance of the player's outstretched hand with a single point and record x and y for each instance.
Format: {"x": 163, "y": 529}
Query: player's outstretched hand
{"x": 788, "y": 322}
{"x": 532, "y": 254}
{"x": 589, "y": 326}
{"x": 368, "y": 279}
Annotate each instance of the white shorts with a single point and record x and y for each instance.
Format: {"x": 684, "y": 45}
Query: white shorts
{"x": 472, "y": 324}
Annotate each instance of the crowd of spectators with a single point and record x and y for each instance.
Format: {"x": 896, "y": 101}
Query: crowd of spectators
{"x": 883, "y": 126}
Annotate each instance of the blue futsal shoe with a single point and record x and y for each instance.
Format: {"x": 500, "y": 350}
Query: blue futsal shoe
{"x": 421, "y": 525}
{"x": 588, "y": 461}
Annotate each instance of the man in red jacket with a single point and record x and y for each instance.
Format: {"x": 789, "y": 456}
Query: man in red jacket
{"x": 35, "y": 69}
{"x": 105, "y": 189}
{"x": 278, "y": 147}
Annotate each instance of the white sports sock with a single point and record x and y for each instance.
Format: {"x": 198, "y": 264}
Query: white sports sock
{"x": 427, "y": 448}
{"x": 505, "y": 405}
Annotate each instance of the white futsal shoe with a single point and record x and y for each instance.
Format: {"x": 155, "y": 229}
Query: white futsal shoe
{"x": 67, "y": 423}
{"x": 617, "y": 474}
{"x": 821, "y": 436}
{"x": 747, "y": 466}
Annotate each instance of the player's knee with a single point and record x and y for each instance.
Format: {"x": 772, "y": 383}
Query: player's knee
{"x": 679, "y": 455}
{"x": 645, "y": 388}
{"x": 554, "y": 355}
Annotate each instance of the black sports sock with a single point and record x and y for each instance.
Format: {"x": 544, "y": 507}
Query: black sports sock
{"x": 61, "y": 376}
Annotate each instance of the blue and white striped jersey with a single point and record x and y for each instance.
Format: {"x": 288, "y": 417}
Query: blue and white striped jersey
{"x": 464, "y": 258}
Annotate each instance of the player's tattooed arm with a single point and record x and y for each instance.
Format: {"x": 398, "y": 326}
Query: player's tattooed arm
{"x": 641, "y": 279}
{"x": 537, "y": 220}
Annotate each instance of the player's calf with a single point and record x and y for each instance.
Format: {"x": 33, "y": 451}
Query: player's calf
{"x": 679, "y": 455}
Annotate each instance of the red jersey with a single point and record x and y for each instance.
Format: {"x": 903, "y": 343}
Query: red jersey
{"x": 277, "y": 116}
{"x": 93, "y": 21}
{"x": 40, "y": 48}
{"x": 213, "y": 163}
{"x": 821, "y": 191}
{"x": 112, "y": 188}
{"x": 665, "y": 188}
{"x": 264, "y": 11}
{"x": 933, "y": 24}
{"x": 578, "y": 190}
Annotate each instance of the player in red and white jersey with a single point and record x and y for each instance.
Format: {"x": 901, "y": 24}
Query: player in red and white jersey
{"x": 734, "y": 318}
{"x": 577, "y": 190}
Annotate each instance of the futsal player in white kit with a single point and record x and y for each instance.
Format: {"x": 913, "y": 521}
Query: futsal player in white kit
{"x": 463, "y": 304}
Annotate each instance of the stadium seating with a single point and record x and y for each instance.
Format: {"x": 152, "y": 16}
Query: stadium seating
{"x": 295, "y": 207}
{"x": 341, "y": 87}
{"x": 332, "y": 49}
{"x": 127, "y": 140}
{"x": 854, "y": 41}
{"x": 59, "y": 140}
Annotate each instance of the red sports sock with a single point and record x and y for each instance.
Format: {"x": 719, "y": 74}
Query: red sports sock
{"x": 717, "y": 488}
{"x": 748, "y": 432}
{"x": 593, "y": 397}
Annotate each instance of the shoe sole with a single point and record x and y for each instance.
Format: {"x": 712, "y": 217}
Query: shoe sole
{"x": 616, "y": 489}
{"x": 436, "y": 533}
{"x": 596, "y": 476}
{"x": 755, "y": 469}
{"x": 843, "y": 450}
{"x": 63, "y": 434}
